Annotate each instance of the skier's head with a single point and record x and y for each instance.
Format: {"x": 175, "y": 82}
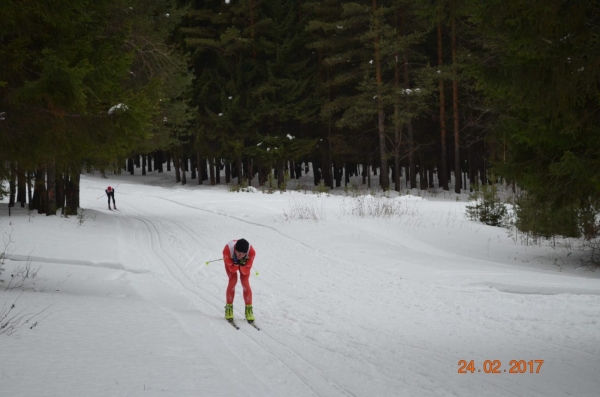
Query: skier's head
{"x": 109, "y": 189}
{"x": 242, "y": 246}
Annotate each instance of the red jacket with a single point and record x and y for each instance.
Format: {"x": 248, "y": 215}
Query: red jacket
{"x": 230, "y": 260}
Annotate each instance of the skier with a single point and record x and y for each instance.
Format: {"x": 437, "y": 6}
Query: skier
{"x": 238, "y": 255}
{"x": 110, "y": 192}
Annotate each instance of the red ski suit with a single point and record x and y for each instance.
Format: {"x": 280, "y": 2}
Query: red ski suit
{"x": 232, "y": 266}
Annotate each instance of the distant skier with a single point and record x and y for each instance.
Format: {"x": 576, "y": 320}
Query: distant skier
{"x": 238, "y": 255}
{"x": 110, "y": 192}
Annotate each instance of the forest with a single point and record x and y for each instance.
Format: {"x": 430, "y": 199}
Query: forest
{"x": 449, "y": 94}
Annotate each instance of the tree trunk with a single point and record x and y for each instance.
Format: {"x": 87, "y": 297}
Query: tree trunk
{"x": 176, "y": 164}
{"x": 29, "y": 195}
{"x": 130, "y": 167}
{"x": 347, "y": 174}
{"x": 193, "y": 167}
{"x": 397, "y": 126}
{"x": 39, "y": 192}
{"x": 326, "y": 163}
{"x": 60, "y": 190}
{"x": 183, "y": 164}
{"x": 21, "y": 186}
{"x": 364, "y": 174}
{"x": 444, "y": 162}
{"x": 211, "y": 170}
{"x": 457, "y": 186}
{"x": 12, "y": 184}
{"x": 430, "y": 173}
{"x": 51, "y": 188}
{"x": 281, "y": 175}
{"x": 201, "y": 163}
{"x": 240, "y": 169}
{"x": 183, "y": 173}
{"x": 472, "y": 181}
{"x": 411, "y": 134}
{"x": 76, "y": 171}
{"x": 422, "y": 172}
{"x": 158, "y": 161}
{"x": 317, "y": 174}
{"x": 384, "y": 179}
{"x": 67, "y": 193}
{"x": 72, "y": 192}
{"x": 262, "y": 174}
{"x": 250, "y": 170}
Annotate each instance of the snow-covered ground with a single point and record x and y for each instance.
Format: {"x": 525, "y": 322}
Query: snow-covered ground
{"x": 348, "y": 305}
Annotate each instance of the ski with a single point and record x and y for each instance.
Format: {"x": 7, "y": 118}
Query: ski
{"x": 233, "y": 324}
{"x": 254, "y": 325}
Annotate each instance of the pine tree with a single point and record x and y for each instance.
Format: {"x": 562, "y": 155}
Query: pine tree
{"x": 413, "y": 82}
{"x": 540, "y": 71}
{"x": 337, "y": 60}
{"x": 73, "y": 92}
{"x": 370, "y": 81}
{"x": 285, "y": 98}
{"x": 223, "y": 47}
{"x": 157, "y": 58}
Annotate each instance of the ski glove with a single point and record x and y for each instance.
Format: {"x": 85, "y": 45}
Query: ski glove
{"x": 242, "y": 262}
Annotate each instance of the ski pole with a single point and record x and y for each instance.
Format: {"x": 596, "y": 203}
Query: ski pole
{"x": 255, "y": 271}
{"x": 215, "y": 260}
{"x": 220, "y": 259}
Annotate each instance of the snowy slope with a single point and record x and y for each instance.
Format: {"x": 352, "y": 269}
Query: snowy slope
{"x": 347, "y": 305}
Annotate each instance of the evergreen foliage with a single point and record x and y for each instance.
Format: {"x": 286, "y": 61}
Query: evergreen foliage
{"x": 83, "y": 83}
{"x": 89, "y": 83}
{"x": 487, "y": 207}
{"x": 539, "y": 69}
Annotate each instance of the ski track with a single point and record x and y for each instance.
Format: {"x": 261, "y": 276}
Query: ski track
{"x": 305, "y": 370}
{"x": 299, "y": 367}
{"x": 192, "y": 292}
{"x": 238, "y": 219}
{"x": 289, "y": 362}
{"x": 293, "y": 360}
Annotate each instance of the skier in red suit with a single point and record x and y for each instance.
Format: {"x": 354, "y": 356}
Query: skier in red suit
{"x": 238, "y": 255}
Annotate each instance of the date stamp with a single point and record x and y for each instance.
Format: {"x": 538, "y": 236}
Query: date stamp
{"x": 495, "y": 367}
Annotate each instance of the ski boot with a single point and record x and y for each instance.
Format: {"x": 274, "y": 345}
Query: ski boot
{"x": 249, "y": 314}
{"x": 229, "y": 312}
{"x": 109, "y": 207}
